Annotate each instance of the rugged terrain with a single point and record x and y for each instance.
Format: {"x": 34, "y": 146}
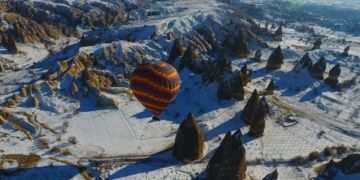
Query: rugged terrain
{"x": 67, "y": 110}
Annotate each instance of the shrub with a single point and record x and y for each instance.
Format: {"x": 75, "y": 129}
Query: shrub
{"x": 341, "y": 149}
{"x": 327, "y": 151}
{"x": 72, "y": 140}
{"x": 314, "y": 156}
{"x": 298, "y": 159}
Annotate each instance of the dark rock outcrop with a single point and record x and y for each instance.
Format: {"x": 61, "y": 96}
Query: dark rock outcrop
{"x": 241, "y": 45}
{"x": 189, "y": 141}
{"x": 8, "y": 42}
{"x": 238, "y": 45}
{"x": 257, "y": 125}
{"x": 228, "y": 161}
{"x": 278, "y": 34}
{"x": 216, "y": 69}
{"x": 176, "y": 51}
{"x": 272, "y": 176}
{"x": 257, "y": 56}
{"x": 224, "y": 90}
{"x": 318, "y": 69}
{"x": 245, "y": 75}
{"x": 334, "y": 73}
{"x": 275, "y": 60}
{"x": 304, "y": 63}
{"x": 346, "y": 51}
{"x": 251, "y": 108}
{"x": 349, "y": 165}
{"x": 188, "y": 59}
{"x": 270, "y": 88}
{"x": 317, "y": 44}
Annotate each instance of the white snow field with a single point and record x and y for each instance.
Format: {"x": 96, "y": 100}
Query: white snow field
{"x": 125, "y": 143}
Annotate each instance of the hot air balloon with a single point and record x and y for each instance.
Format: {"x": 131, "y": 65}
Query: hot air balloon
{"x": 155, "y": 85}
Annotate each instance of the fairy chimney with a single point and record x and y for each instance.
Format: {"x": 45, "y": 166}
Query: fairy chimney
{"x": 176, "y": 51}
{"x": 228, "y": 161}
{"x": 250, "y": 108}
{"x": 257, "y": 56}
{"x": 275, "y": 60}
{"x": 317, "y": 44}
{"x": 304, "y": 63}
{"x": 189, "y": 141}
{"x": 270, "y": 88}
{"x": 188, "y": 59}
{"x": 278, "y": 34}
{"x": 317, "y": 71}
{"x": 241, "y": 45}
{"x": 346, "y": 51}
{"x": 257, "y": 125}
{"x": 334, "y": 74}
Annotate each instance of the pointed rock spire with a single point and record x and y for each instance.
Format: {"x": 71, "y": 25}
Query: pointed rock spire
{"x": 278, "y": 34}
{"x": 189, "y": 141}
{"x": 176, "y": 51}
{"x": 250, "y": 108}
{"x": 270, "y": 88}
{"x": 245, "y": 75}
{"x": 334, "y": 74}
{"x": 228, "y": 161}
{"x": 319, "y": 68}
{"x": 346, "y": 51}
{"x": 241, "y": 45}
{"x": 257, "y": 56}
{"x": 275, "y": 60}
{"x": 257, "y": 126}
{"x": 304, "y": 63}
{"x": 317, "y": 44}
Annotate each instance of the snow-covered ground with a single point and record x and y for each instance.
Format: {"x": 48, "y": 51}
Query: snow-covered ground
{"x": 125, "y": 143}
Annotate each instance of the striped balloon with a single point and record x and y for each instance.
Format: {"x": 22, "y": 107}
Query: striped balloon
{"x": 155, "y": 85}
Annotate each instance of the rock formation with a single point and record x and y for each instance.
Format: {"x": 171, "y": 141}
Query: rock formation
{"x": 257, "y": 56}
{"x": 257, "y": 125}
{"x": 275, "y": 60}
{"x": 349, "y": 165}
{"x": 224, "y": 90}
{"x": 35, "y": 101}
{"x": 334, "y": 73}
{"x": 278, "y": 34}
{"x": 346, "y": 51}
{"x": 245, "y": 75}
{"x": 251, "y": 108}
{"x": 270, "y": 88}
{"x": 231, "y": 88}
{"x": 238, "y": 45}
{"x": 228, "y": 161}
{"x": 216, "y": 69}
{"x": 317, "y": 44}
{"x": 241, "y": 48}
{"x": 304, "y": 63}
{"x": 189, "y": 141}
{"x": 272, "y": 176}
{"x": 188, "y": 59}
{"x": 8, "y": 42}
{"x": 272, "y": 26}
{"x": 2, "y": 69}
{"x": 176, "y": 51}
{"x": 209, "y": 36}
{"x": 318, "y": 69}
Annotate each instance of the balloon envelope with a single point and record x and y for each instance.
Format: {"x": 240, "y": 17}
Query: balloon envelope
{"x": 155, "y": 85}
